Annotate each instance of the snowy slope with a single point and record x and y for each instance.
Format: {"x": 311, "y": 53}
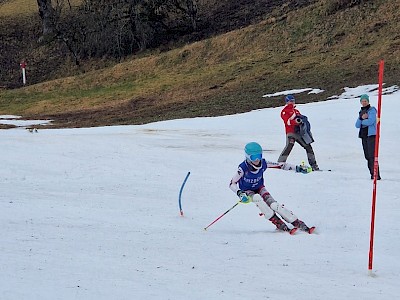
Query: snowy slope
{"x": 93, "y": 213}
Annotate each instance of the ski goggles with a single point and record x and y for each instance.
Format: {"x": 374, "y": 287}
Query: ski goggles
{"x": 255, "y": 157}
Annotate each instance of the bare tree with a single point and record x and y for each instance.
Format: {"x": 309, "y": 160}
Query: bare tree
{"x": 115, "y": 28}
{"x": 188, "y": 8}
{"x": 50, "y": 12}
{"x": 47, "y": 14}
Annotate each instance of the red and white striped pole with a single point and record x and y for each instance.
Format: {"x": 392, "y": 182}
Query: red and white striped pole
{"x": 378, "y": 129}
{"x": 23, "y": 67}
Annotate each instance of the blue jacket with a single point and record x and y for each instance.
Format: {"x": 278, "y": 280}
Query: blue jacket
{"x": 305, "y": 130}
{"x": 252, "y": 181}
{"x": 370, "y": 122}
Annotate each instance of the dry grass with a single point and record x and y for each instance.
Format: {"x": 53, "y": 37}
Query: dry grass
{"x": 14, "y": 8}
{"x": 228, "y": 73}
{"x": 20, "y": 8}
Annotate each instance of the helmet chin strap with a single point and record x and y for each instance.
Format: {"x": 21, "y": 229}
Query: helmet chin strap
{"x": 253, "y": 165}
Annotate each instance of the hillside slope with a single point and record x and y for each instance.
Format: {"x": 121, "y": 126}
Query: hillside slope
{"x": 312, "y": 46}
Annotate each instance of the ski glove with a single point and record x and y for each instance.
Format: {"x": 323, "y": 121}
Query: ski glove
{"x": 303, "y": 169}
{"x": 243, "y": 197}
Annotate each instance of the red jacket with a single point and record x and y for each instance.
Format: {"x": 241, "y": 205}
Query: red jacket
{"x": 288, "y": 115}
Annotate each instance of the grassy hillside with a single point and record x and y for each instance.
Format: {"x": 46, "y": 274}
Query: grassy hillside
{"x": 315, "y": 46}
{"x": 15, "y": 8}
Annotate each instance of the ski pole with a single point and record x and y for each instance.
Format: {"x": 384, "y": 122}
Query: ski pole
{"x": 205, "y": 228}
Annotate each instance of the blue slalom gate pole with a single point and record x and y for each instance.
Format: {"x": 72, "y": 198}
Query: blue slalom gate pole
{"x": 180, "y": 193}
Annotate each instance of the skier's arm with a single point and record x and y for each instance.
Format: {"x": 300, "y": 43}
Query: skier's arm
{"x": 244, "y": 198}
{"x": 289, "y": 167}
{"x": 371, "y": 118}
{"x": 291, "y": 118}
{"x": 281, "y": 165}
{"x": 235, "y": 179}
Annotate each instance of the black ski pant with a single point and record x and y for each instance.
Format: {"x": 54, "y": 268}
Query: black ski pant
{"x": 368, "y": 144}
{"x": 291, "y": 138}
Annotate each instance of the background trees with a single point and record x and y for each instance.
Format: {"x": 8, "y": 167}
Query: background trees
{"x": 115, "y": 28}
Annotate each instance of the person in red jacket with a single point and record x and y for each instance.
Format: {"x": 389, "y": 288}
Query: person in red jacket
{"x": 292, "y": 119}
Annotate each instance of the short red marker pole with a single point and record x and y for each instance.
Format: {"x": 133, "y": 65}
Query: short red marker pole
{"x": 23, "y": 69}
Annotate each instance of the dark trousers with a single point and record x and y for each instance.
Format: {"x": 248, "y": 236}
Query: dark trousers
{"x": 291, "y": 138}
{"x": 368, "y": 144}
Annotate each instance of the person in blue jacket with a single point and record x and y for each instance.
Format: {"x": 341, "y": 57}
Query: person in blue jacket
{"x": 248, "y": 184}
{"x": 366, "y": 121}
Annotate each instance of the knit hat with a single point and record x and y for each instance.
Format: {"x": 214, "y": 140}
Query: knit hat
{"x": 289, "y": 98}
{"x": 364, "y": 96}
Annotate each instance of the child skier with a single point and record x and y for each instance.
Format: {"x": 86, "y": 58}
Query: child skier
{"x": 248, "y": 184}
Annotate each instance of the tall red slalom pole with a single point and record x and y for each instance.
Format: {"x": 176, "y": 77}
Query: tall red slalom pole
{"x": 378, "y": 129}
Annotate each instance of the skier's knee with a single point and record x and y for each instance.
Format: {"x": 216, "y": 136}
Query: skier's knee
{"x": 268, "y": 213}
{"x": 286, "y": 214}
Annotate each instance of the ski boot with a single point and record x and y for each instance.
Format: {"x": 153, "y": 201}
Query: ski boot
{"x": 302, "y": 226}
{"x": 315, "y": 167}
{"x": 280, "y": 225}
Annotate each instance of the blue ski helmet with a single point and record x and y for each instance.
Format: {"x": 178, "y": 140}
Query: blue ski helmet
{"x": 289, "y": 98}
{"x": 253, "y": 151}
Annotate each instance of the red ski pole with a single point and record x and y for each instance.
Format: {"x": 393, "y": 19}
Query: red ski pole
{"x": 205, "y": 228}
